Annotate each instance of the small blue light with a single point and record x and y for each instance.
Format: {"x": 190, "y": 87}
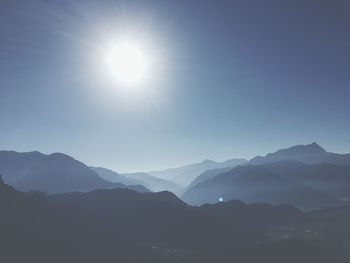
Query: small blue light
{"x": 221, "y": 199}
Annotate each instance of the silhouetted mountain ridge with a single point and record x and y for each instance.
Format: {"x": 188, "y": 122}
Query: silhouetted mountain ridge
{"x": 309, "y": 153}
{"x": 253, "y": 184}
{"x": 209, "y": 174}
{"x": 153, "y": 183}
{"x": 114, "y": 177}
{"x": 150, "y": 182}
{"x": 54, "y": 173}
{"x": 186, "y": 174}
{"x": 121, "y": 225}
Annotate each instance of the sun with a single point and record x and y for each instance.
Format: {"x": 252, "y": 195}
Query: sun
{"x": 127, "y": 63}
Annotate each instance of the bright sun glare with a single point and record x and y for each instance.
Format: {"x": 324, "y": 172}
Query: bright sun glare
{"x": 127, "y": 63}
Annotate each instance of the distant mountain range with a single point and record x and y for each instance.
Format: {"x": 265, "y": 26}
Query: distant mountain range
{"x": 306, "y": 176}
{"x": 114, "y": 177}
{"x": 186, "y": 174}
{"x": 253, "y": 184}
{"x": 54, "y": 173}
{"x": 151, "y": 182}
{"x": 309, "y": 153}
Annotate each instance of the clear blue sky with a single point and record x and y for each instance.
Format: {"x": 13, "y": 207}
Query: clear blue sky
{"x": 236, "y": 79}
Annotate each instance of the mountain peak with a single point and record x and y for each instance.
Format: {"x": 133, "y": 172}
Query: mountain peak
{"x": 316, "y": 145}
{"x": 311, "y": 148}
{"x": 207, "y": 161}
{"x": 58, "y": 155}
{"x": 307, "y": 153}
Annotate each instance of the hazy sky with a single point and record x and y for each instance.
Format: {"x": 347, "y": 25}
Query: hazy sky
{"x": 230, "y": 79}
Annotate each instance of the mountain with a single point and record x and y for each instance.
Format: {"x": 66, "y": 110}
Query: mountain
{"x": 310, "y": 153}
{"x": 33, "y": 229}
{"x": 186, "y": 174}
{"x": 121, "y": 225}
{"x": 14, "y": 165}
{"x": 253, "y": 184}
{"x": 54, "y": 173}
{"x": 115, "y": 177}
{"x": 328, "y": 178}
{"x": 153, "y": 183}
{"x": 150, "y": 182}
{"x": 209, "y": 174}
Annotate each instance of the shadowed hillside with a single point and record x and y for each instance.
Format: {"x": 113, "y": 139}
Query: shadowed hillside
{"x": 257, "y": 184}
{"x": 126, "y": 226}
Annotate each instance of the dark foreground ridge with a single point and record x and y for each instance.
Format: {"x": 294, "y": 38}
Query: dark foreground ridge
{"x": 122, "y": 225}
